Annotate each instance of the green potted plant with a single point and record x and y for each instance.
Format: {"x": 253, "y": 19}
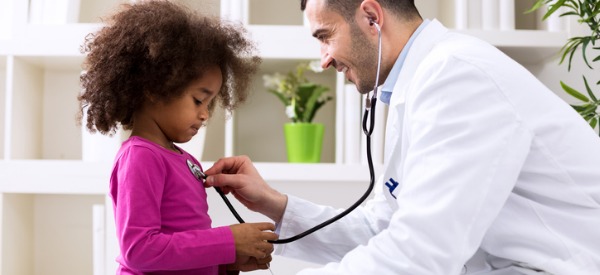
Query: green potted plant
{"x": 588, "y": 13}
{"x": 302, "y": 99}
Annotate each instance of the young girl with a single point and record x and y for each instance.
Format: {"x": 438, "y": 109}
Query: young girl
{"x": 159, "y": 69}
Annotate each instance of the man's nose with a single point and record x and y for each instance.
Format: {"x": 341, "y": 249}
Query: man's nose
{"x": 326, "y": 59}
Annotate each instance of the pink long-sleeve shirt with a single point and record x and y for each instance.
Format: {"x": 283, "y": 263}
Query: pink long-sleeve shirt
{"x": 161, "y": 214}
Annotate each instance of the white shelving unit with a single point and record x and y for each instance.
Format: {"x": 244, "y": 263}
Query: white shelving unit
{"x": 48, "y": 193}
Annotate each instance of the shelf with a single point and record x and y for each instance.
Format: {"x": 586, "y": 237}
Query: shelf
{"x": 44, "y": 107}
{"x": 92, "y": 178}
{"x": 525, "y": 46}
{"x": 57, "y": 40}
{"x": 2, "y": 103}
{"x": 47, "y": 233}
{"x": 287, "y": 14}
{"x": 54, "y": 177}
{"x": 72, "y": 63}
{"x": 321, "y": 172}
{"x": 292, "y": 42}
{"x": 528, "y": 46}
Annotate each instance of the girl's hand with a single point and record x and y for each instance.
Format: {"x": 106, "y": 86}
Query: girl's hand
{"x": 251, "y": 239}
{"x": 245, "y": 263}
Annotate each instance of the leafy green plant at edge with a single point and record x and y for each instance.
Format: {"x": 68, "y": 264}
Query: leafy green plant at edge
{"x": 588, "y": 13}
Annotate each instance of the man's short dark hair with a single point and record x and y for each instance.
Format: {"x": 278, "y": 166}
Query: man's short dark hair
{"x": 404, "y": 9}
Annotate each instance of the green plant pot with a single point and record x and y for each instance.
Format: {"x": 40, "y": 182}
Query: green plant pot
{"x": 304, "y": 141}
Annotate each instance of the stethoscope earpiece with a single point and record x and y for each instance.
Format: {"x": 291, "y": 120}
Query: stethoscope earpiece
{"x": 372, "y": 22}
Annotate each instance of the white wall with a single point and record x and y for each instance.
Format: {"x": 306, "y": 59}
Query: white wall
{"x": 2, "y": 103}
{"x": 27, "y": 110}
{"x": 61, "y": 134}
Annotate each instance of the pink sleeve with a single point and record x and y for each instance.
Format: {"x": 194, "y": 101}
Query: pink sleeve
{"x": 137, "y": 188}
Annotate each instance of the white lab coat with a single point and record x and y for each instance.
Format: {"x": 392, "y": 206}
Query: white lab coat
{"x": 495, "y": 173}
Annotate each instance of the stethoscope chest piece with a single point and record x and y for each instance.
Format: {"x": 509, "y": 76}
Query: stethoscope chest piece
{"x": 196, "y": 171}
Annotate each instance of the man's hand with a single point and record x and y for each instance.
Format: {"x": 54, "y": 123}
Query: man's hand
{"x": 237, "y": 175}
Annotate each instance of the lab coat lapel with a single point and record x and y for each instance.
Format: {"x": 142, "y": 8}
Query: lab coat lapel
{"x": 418, "y": 51}
{"x": 396, "y": 138}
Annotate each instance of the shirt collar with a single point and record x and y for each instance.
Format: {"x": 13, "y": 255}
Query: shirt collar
{"x": 390, "y": 82}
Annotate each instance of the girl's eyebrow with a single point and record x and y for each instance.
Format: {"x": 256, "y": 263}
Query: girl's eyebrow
{"x": 206, "y": 91}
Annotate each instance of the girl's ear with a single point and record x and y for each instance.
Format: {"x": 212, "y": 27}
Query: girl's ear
{"x": 150, "y": 98}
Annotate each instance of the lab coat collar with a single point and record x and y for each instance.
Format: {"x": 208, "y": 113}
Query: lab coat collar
{"x": 392, "y": 79}
{"x": 422, "y": 45}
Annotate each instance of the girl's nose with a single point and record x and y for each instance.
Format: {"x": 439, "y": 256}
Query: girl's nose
{"x": 203, "y": 114}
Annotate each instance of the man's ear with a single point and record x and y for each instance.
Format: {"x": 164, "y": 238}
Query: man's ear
{"x": 370, "y": 11}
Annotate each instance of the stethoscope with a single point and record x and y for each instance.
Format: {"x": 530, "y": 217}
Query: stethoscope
{"x": 368, "y": 124}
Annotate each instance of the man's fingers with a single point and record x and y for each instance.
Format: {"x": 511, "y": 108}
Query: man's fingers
{"x": 232, "y": 181}
{"x": 223, "y": 164}
{"x": 229, "y": 165}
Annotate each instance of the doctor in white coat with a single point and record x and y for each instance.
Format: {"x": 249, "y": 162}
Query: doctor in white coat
{"x": 486, "y": 171}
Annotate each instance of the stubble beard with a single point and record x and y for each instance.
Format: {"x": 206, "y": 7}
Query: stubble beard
{"x": 366, "y": 60}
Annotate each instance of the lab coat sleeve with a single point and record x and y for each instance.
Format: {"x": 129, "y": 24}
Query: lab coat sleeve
{"x": 464, "y": 146}
{"x": 333, "y": 241}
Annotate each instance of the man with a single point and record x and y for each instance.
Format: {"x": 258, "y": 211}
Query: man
{"x": 486, "y": 171}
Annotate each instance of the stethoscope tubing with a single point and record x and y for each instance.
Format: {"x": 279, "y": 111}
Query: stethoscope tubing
{"x": 368, "y": 124}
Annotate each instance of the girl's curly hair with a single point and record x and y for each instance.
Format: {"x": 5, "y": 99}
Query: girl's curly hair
{"x": 152, "y": 51}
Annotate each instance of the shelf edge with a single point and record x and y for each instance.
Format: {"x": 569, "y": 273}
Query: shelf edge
{"x": 81, "y": 177}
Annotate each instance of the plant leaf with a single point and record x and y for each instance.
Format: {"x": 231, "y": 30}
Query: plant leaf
{"x": 594, "y": 122}
{"x": 538, "y": 4}
{"x": 589, "y": 110}
{"x": 585, "y": 44}
{"x": 589, "y": 90}
{"x": 281, "y": 97}
{"x": 574, "y": 93}
{"x": 578, "y": 108}
{"x": 553, "y": 8}
{"x": 311, "y": 93}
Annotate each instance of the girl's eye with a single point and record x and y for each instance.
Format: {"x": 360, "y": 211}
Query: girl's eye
{"x": 197, "y": 102}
